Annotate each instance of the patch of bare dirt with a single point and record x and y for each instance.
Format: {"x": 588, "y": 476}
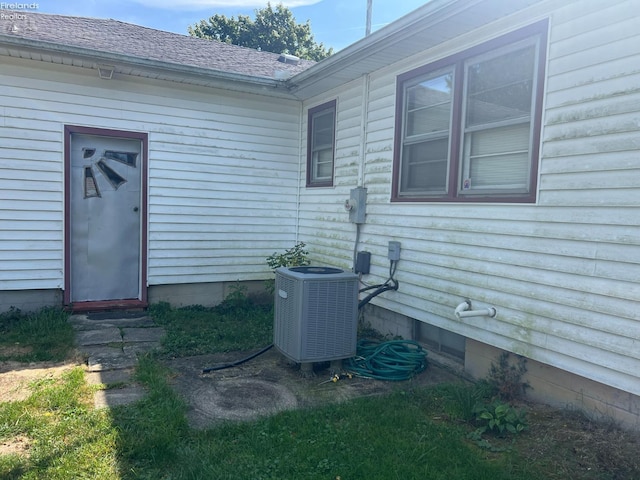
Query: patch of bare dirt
{"x": 18, "y": 445}
{"x": 15, "y": 377}
{"x": 574, "y": 446}
{"x": 14, "y": 350}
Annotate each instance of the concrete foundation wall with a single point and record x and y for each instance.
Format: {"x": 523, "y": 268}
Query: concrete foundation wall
{"x": 181, "y": 295}
{"x": 29, "y": 300}
{"x": 562, "y": 389}
{"x": 205, "y": 294}
{"x": 437, "y": 340}
{"x": 388, "y": 323}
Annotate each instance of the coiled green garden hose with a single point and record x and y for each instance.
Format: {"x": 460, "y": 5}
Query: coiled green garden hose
{"x": 393, "y": 360}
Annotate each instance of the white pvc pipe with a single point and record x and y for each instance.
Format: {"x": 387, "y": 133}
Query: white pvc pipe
{"x": 485, "y": 312}
{"x": 462, "y": 311}
{"x": 466, "y": 305}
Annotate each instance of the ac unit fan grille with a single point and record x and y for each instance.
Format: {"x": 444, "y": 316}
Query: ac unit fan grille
{"x": 328, "y": 305}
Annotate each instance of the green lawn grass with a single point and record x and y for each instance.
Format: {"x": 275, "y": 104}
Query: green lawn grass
{"x": 408, "y": 434}
{"x": 45, "y": 335}
{"x": 234, "y": 325}
{"x": 397, "y": 436}
{"x": 63, "y": 435}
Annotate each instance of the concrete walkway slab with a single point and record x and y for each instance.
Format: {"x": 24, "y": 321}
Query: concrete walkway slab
{"x": 139, "y": 348}
{"x": 153, "y": 334}
{"x": 110, "y": 377}
{"x": 112, "y": 342}
{"x": 101, "y": 358}
{"x": 83, "y": 322}
{"x": 102, "y": 336}
{"x": 118, "y": 396}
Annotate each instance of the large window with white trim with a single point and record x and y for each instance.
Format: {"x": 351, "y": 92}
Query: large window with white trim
{"x": 468, "y": 126}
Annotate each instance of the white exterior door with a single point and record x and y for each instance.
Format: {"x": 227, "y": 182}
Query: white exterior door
{"x": 105, "y": 218}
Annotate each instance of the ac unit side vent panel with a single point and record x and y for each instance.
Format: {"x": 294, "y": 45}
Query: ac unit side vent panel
{"x": 316, "y": 315}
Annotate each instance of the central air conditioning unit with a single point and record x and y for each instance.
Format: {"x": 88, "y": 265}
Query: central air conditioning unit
{"x": 316, "y": 313}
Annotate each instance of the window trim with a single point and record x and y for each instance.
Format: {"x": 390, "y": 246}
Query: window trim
{"x": 331, "y": 105}
{"x": 458, "y": 61}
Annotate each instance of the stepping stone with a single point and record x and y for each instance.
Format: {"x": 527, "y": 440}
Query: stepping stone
{"x": 140, "y": 348}
{"x": 118, "y": 396}
{"x": 143, "y": 322}
{"x": 94, "y": 322}
{"x": 110, "y": 377}
{"x": 103, "y": 358}
{"x": 142, "y": 334}
{"x": 116, "y": 315}
{"x": 103, "y": 336}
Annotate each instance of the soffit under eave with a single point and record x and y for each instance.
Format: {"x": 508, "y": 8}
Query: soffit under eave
{"x": 367, "y": 56}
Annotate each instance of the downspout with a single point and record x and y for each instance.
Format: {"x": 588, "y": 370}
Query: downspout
{"x": 299, "y": 189}
{"x": 363, "y": 151}
{"x": 363, "y": 128}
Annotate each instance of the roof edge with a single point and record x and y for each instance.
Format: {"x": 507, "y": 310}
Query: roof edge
{"x": 361, "y": 46}
{"x": 99, "y": 56}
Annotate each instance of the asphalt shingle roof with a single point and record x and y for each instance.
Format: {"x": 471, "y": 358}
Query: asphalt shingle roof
{"x": 114, "y": 36}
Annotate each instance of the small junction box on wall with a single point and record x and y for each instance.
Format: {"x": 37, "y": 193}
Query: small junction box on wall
{"x": 394, "y": 251}
{"x": 363, "y": 262}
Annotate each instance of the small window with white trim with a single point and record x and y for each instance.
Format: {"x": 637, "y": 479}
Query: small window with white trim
{"x": 321, "y": 144}
{"x": 468, "y": 126}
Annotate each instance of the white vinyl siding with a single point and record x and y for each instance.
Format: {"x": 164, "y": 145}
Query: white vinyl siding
{"x": 563, "y": 272}
{"x": 222, "y": 173}
{"x": 322, "y": 209}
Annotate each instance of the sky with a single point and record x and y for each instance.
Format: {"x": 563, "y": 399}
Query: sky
{"x": 335, "y": 23}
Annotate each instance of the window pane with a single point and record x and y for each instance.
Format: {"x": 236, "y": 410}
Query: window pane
{"x": 429, "y": 106}
{"x": 500, "y": 88}
{"x": 323, "y": 164}
{"x": 424, "y": 167}
{"x": 497, "y": 158}
{"x": 505, "y": 171}
{"x": 322, "y": 128}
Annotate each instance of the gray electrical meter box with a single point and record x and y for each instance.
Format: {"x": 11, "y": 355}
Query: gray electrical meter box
{"x": 359, "y": 205}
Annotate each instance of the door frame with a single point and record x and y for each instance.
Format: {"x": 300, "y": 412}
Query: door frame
{"x": 141, "y": 301}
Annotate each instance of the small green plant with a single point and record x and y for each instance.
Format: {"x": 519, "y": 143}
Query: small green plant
{"x": 465, "y": 400}
{"x": 500, "y": 418}
{"x": 506, "y": 378}
{"x": 236, "y": 299}
{"x": 296, "y": 256}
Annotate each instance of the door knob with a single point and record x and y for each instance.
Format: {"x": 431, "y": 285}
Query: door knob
{"x": 135, "y": 209}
